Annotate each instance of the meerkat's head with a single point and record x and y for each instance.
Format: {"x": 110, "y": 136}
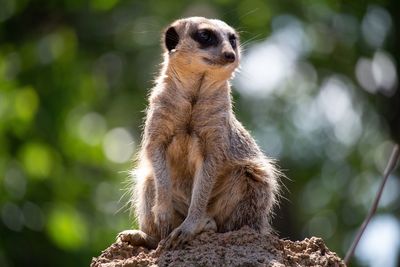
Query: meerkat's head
{"x": 197, "y": 44}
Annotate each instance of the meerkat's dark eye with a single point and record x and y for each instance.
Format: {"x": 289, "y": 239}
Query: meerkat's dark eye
{"x": 233, "y": 41}
{"x": 205, "y": 38}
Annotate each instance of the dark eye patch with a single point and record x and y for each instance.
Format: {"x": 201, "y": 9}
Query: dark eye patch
{"x": 233, "y": 41}
{"x": 205, "y": 38}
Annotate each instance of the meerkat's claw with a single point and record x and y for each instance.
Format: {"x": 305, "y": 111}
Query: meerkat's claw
{"x": 130, "y": 236}
{"x": 164, "y": 231}
{"x": 164, "y": 226}
{"x": 187, "y": 231}
{"x": 177, "y": 238}
{"x": 163, "y": 218}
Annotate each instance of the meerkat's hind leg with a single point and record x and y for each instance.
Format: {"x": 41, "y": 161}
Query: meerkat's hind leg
{"x": 144, "y": 202}
{"x": 137, "y": 238}
{"x": 143, "y": 196}
{"x": 253, "y": 210}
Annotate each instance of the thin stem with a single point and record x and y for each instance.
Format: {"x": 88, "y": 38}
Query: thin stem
{"x": 391, "y": 165}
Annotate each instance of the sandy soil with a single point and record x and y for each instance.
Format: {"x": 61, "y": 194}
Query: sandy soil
{"x": 239, "y": 248}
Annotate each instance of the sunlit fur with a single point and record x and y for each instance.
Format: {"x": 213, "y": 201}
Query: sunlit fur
{"x": 198, "y": 167}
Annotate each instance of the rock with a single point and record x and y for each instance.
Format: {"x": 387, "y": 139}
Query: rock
{"x": 244, "y": 247}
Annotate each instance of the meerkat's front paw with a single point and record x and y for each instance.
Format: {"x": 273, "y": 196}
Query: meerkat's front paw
{"x": 163, "y": 219}
{"x": 133, "y": 237}
{"x": 137, "y": 238}
{"x": 179, "y": 236}
{"x": 187, "y": 231}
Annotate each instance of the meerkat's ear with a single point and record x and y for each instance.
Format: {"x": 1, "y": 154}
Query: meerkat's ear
{"x": 171, "y": 38}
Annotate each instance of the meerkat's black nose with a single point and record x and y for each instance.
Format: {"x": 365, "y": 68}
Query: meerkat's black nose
{"x": 229, "y": 56}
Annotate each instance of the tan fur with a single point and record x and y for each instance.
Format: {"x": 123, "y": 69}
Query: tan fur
{"x": 198, "y": 167}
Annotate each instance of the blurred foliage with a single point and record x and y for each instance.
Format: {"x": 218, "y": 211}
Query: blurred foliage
{"x": 74, "y": 76}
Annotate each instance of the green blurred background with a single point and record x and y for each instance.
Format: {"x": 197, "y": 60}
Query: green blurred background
{"x": 317, "y": 89}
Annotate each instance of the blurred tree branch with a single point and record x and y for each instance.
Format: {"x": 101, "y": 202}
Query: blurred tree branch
{"x": 391, "y": 165}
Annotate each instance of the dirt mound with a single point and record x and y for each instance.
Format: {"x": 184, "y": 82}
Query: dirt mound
{"x": 239, "y": 248}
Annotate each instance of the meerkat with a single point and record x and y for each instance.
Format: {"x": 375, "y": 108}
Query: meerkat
{"x": 198, "y": 168}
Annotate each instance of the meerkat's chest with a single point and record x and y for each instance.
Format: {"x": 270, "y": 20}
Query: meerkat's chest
{"x": 190, "y": 123}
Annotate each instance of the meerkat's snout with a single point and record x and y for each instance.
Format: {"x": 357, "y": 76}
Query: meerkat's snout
{"x": 229, "y": 57}
{"x": 229, "y": 53}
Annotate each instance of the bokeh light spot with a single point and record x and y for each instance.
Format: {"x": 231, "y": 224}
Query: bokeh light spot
{"x": 364, "y": 75}
{"x": 380, "y": 242}
{"x": 268, "y": 64}
{"x": 33, "y": 215}
{"x": 106, "y": 198}
{"x": 12, "y": 216}
{"x": 376, "y": 25}
{"x": 26, "y": 103}
{"x": 384, "y": 73}
{"x": 15, "y": 183}
{"x": 336, "y": 103}
{"x": 37, "y": 160}
{"x": 67, "y": 228}
{"x": 118, "y": 145}
{"x": 92, "y": 128}
{"x": 323, "y": 224}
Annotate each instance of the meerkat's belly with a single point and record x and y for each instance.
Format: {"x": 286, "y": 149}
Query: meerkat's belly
{"x": 184, "y": 157}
